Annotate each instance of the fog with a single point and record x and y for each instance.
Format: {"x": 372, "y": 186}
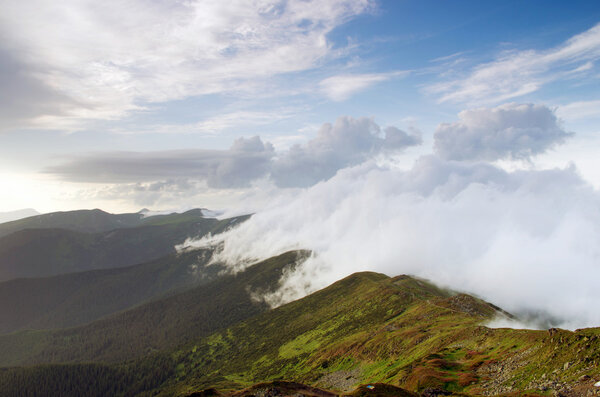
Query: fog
{"x": 527, "y": 240}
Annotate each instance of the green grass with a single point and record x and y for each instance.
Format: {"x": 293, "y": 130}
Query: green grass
{"x": 399, "y": 331}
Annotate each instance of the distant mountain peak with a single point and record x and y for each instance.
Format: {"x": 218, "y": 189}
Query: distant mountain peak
{"x": 17, "y": 214}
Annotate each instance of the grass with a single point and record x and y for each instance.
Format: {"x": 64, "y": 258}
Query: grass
{"x": 397, "y": 331}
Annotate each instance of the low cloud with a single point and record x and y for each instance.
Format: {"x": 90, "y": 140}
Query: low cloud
{"x": 347, "y": 142}
{"x": 512, "y": 131}
{"x": 525, "y": 240}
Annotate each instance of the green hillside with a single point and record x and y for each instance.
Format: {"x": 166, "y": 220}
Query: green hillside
{"x": 48, "y": 252}
{"x": 366, "y": 329}
{"x": 157, "y": 325}
{"x": 400, "y": 331}
{"x": 78, "y": 298}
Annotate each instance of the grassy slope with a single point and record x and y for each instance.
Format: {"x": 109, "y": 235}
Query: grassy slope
{"x": 48, "y": 252}
{"x": 154, "y": 326}
{"x": 401, "y": 331}
{"x": 365, "y": 328}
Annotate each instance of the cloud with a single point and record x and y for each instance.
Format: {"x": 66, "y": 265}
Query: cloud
{"x": 348, "y": 142}
{"x": 245, "y": 160}
{"x": 23, "y": 95}
{"x": 525, "y": 240}
{"x": 517, "y": 73}
{"x": 108, "y": 64}
{"x": 342, "y": 87}
{"x": 579, "y": 110}
{"x": 510, "y": 131}
{"x": 211, "y": 125}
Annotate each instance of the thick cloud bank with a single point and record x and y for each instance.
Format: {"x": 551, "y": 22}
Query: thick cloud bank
{"x": 526, "y": 240}
{"x": 511, "y": 131}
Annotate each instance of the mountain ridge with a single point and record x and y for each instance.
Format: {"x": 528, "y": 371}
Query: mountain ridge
{"x": 156, "y": 325}
{"x": 51, "y": 251}
{"x": 368, "y": 328}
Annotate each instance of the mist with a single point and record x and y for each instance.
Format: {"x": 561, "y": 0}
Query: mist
{"x": 527, "y": 240}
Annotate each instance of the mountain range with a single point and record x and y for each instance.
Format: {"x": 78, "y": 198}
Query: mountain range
{"x": 110, "y": 308}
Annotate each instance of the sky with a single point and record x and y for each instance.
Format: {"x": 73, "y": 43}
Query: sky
{"x": 180, "y": 104}
{"x": 452, "y": 140}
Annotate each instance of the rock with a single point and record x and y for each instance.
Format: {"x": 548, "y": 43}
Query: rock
{"x": 583, "y": 378}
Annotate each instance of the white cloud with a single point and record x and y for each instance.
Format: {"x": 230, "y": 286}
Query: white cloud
{"x": 247, "y": 159}
{"x": 212, "y": 125}
{"x": 510, "y": 131}
{"x": 348, "y": 142}
{"x": 525, "y": 240}
{"x": 516, "y": 73}
{"x": 109, "y": 63}
{"x": 579, "y": 110}
{"x": 342, "y": 87}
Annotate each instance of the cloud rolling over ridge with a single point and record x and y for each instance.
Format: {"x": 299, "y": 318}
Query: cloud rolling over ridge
{"x": 526, "y": 240}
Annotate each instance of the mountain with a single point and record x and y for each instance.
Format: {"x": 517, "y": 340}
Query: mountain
{"x": 48, "y": 252}
{"x": 89, "y": 221}
{"x": 399, "y": 335}
{"x": 94, "y": 221}
{"x": 77, "y": 298}
{"x": 16, "y": 215}
{"x": 153, "y": 326}
{"x": 401, "y": 331}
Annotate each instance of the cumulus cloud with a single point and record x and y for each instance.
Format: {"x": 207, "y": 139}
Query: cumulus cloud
{"x": 510, "y": 131}
{"x": 520, "y": 72}
{"x": 347, "y": 142}
{"x": 108, "y": 64}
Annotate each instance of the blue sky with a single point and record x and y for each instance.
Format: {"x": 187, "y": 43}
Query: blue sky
{"x": 96, "y": 92}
